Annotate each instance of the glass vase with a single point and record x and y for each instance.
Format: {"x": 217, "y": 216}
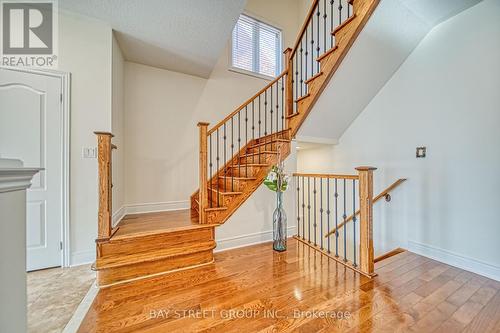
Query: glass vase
{"x": 279, "y": 225}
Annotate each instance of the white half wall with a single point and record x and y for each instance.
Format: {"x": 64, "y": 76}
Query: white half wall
{"x": 445, "y": 96}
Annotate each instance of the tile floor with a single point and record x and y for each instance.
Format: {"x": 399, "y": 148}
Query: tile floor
{"x": 53, "y": 296}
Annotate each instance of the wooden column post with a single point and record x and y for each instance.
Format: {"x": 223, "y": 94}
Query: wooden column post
{"x": 203, "y": 194}
{"x": 289, "y": 83}
{"x": 366, "y": 256}
{"x": 104, "y": 147}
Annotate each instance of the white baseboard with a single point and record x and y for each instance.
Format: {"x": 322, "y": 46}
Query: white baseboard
{"x": 82, "y": 309}
{"x": 117, "y": 216}
{"x": 82, "y": 257}
{"x": 454, "y": 259}
{"x": 229, "y": 243}
{"x": 156, "y": 207}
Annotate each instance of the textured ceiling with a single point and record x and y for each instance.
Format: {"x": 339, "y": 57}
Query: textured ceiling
{"x": 391, "y": 34}
{"x": 186, "y": 36}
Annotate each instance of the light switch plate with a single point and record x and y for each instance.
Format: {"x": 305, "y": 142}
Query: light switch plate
{"x": 89, "y": 152}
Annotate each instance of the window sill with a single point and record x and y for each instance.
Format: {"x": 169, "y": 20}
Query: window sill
{"x": 249, "y": 73}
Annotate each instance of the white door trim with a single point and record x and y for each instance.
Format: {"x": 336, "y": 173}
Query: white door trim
{"x": 65, "y": 121}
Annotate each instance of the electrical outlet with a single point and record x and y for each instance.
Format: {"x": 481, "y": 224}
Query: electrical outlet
{"x": 89, "y": 152}
{"x": 421, "y": 152}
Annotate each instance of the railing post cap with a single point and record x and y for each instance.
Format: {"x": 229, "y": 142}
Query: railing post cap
{"x": 104, "y": 133}
{"x": 203, "y": 123}
{"x": 366, "y": 168}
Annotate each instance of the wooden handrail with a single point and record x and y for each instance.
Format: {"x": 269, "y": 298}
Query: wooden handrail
{"x": 219, "y": 124}
{"x": 310, "y": 13}
{"x": 377, "y": 198}
{"x": 326, "y": 175}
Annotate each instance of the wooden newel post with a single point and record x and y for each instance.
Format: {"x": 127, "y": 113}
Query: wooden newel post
{"x": 104, "y": 147}
{"x": 203, "y": 195}
{"x": 289, "y": 81}
{"x": 366, "y": 256}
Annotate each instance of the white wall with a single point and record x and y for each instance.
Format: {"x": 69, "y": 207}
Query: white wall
{"x": 117, "y": 128}
{"x": 444, "y": 96}
{"x": 315, "y": 160}
{"x": 85, "y": 52}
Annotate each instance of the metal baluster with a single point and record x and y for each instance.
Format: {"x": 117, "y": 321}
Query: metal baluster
{"x": 239, "y": 144}
{"x": 210, "y": 165}
{"x": 317, "y": 39}
{"x": 232, "y": 153}
{"x": 303, "y": 209}
{"x": 336, "y": 195}
{"x": 340, "y": 12}
{"x": 253, "y": 129}
{"x": 265, "y": 119}
{"x": 315, "y": 210}
{"x": 271, "y": 113}
{"x": 283, "y": 103}
{"x": 354, "y": 219}
{"x": 305, "y": 65}
{"x": 325, "y": 16}
{"x": 297, "y": 178}
{"x": 277, "y": 108}
{"x": 344, "y": 219}
{"x": 301, "y": 78}
{"x": 321, "y": 211}
{"x": 246, "y": 140}
{"x": 331, "y": 22}
{"x": 225, "y": 156}
{"x": 309, "y": 209}
{"x": 328, "y": 208}
{"x": 217, "y": 169}
{"x": 296, "y": 82}
{"x": 348, "y": 10}
{"x": 312, "y": 45}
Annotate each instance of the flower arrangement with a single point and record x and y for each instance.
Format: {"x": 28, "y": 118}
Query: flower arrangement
{"x": 277, "y": 180}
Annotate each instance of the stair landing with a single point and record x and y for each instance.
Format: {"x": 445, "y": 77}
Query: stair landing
{"x": 150, "y": 244}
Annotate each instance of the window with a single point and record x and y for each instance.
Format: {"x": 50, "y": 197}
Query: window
{"x": 256, "y": 47}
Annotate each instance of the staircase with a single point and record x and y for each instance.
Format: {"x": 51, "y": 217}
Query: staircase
{"x": 235, "y": 155}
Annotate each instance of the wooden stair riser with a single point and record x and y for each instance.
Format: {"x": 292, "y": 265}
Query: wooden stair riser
{"x": 235, "y": 184}
{"x": 270, "y": 146}
{"x": 115, "y": 248}
{"x": 242, "y": 171}
{"x": 263, "y": 158}
{"x": 145, "y": 269}
{"x": 220, "y": 200}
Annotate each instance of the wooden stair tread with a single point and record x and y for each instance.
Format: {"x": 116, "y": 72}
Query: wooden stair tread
{"x": 302, "y": 97}
{"x": 268, "y": 143}
{"x": 215, "y": 209}
{"x": 346, "y": 22}
{"x": 261, "y": 152}
{"x": 237, "y": 178}
{"x": 140, "y": 257}
{"x": 248, "y": 165}
{"x": 327, "y": 53}
{"x": 312, "y": 78}
{"x": 292, "y": 115}
{"x": 224, "y": 193}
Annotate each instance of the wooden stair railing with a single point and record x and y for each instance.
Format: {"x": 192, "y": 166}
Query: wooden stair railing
{"x": 239, "y": 151}
{"x": 104, "y": 159}
{"x": 381, "y": 195}
{"x": 323, "y": 199}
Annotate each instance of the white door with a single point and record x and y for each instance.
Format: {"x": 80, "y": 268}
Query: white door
{"x": 31, "y": 130}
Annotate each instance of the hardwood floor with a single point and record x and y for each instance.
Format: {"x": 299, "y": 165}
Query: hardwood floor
{"x": 254, "y": 289}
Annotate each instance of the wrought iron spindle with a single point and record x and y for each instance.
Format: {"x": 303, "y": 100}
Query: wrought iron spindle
{"x": 340, "y": 12}
{"x": 309, "y": 209}
{"x": 210, "y": 167}
{"x": 314, "y": 211}
{"x": 246, "y": 139}
{"x": 328, "y": 208}
{"x": 232, "y": 153}
{"x": 225, "y": 156}
{"x": 348, "y": 10}
{"x": 344, "y": 221}
{"x": 331, "y": 22}
{"x": 217, "y": 164}
{"x": 283, "y": 103}
{"x": 265, "y": 119}
{"x": 239, "y": 144}
{"x": 318, "y": 14}
{"x": 296, "y": 80}
{"x": 260, "y": 123}
{"x": 297, "y": 178}
{"x": 312, "y": 45}
{"x": 303, "y": 209}
{"x": 325, "y": 16}
{"x": 321, "y": 211}
{"x": 301, "y": 72}
{"x": 271, "y": 113}
{"x": 277, "y": 107}
{"x": 336, "y": 195}
{"x": 354, "y": 220}
{"x": 305, "y": 65}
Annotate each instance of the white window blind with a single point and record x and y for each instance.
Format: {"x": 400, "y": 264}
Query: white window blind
{"x": 256, "y": 47}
